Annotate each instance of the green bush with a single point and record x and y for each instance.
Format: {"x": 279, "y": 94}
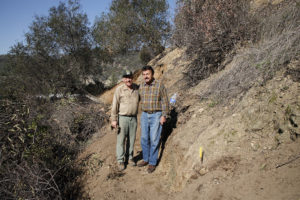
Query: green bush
{"x": 129, "y": 25}
{"x": 145, "y": 55}
{"x": 57, "y": 53}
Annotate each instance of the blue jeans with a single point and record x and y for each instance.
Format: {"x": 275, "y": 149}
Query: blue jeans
{"x": 151, "y": 131}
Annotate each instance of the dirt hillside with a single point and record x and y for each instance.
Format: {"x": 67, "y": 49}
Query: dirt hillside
{"x": 250, "y": 143}
{"x": 246, "y": 124}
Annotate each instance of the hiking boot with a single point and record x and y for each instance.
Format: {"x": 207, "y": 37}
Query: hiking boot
{"x": 131, "y": 162}
{"x": 121, "y": 166}
{"x": 151, "y": 169}
{"x": 142, "y": 164}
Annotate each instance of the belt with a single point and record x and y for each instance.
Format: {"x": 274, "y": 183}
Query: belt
{"x": 128, "y": 115}
{"x": 151, "y": 112}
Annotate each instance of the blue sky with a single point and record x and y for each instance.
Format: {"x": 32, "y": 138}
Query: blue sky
{"x": 17, "y": 15}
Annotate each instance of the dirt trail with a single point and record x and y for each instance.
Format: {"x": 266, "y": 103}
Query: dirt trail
{"x": 105, "y": 182}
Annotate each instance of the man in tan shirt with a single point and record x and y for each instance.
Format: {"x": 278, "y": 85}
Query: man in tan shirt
{"x": 123, "y": 117}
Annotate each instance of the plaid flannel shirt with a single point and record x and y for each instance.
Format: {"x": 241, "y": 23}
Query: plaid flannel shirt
{"x": 154, "y": 97}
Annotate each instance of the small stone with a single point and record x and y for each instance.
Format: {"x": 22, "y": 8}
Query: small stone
{"x": 254, "y": 146}
{"x": 194, "y": 176}
{"x": 203, "y": 171}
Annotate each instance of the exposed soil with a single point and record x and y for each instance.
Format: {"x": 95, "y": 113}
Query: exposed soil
{"x": 251, "y": 144}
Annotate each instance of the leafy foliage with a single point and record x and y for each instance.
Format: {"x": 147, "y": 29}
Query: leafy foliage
{"x": 145, "y": 55}
{"x": 132, "y": 24}
{"x": 57, "y": 52}
{"x": 3, "y": 61}
{"x": 37, "y": 158}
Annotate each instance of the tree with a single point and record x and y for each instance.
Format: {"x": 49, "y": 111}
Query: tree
{"x": 37, "y": 158}
{"x": 57, "y": 51}
{"x": 132, "y": 24}
{"x": 154, "y": 27}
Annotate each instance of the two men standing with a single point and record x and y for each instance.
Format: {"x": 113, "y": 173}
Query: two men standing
{"x": 155, "y": 107}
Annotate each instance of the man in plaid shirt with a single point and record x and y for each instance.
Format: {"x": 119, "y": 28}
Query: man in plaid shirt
{"x": 155, "y": 106}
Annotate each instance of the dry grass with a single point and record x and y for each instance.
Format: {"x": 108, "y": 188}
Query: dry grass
{"x": 259, "y": 62}
{"x": 209, "y": 30}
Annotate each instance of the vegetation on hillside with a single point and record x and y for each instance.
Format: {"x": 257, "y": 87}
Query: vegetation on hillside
{"x": 211, "y": 30}
{"x": 41, "y": 136}
{"x": 134, "y": 26}
{"x": 37, "y": 156}
{"x": 56, "y": 55}
{"x": 38, "y": 150}
{"x": 3, "y": 60}
{"x": 276, "y": 44}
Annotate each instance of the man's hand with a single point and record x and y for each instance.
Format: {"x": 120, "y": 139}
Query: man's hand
{"x": 114, "y": 124}
{"x": 163, "y": 120}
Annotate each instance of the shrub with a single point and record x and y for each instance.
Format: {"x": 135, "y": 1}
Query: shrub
{"x": 278, "y": 48}
{"x": 145, "y": 55}
{"x": 37, "y": 158}
{"x": 209, "y": 30}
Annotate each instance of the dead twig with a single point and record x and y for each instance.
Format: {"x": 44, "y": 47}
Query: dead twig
{"x": 288, "y": 162}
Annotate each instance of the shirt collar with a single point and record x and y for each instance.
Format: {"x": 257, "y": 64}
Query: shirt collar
{"x": 126, "y": 88}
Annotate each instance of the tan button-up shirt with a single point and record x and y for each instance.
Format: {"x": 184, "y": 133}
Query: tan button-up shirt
{"x": 125, "y": 101}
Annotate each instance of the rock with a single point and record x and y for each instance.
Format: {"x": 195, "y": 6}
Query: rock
{"x": 254, "y": 146}
{"x": 258, "y": 126}
{"x": 203, "y": 171}
{"x": 201, "y": 110}
{"x": 194, "y": 176}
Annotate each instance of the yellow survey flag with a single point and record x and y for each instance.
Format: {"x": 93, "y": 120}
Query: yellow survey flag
{"x": 200, "y": 153}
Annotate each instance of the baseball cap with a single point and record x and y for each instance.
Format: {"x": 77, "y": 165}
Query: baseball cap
{"x": 127, "y": 73}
